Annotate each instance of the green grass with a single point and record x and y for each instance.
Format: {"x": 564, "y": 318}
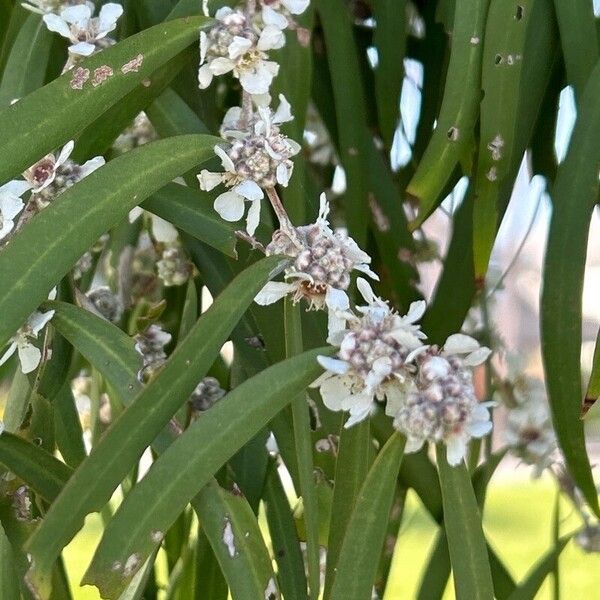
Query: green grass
{"x": 517, "y": 518}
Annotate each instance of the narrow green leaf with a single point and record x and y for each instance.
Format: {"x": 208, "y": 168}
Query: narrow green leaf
{"x": 52, "y": 242}
{"x": 364, "y": 538}
{"x": 466, "y": 542}
{"x": 234, "y": 534}
{"x": 30, "y": 130}
{"x": 190, "y": 462}
{"x": 9, "y": 587}
{"x": 26, "y": 65}
{"x": 36, "y": 467}
{"x": 304, "y": 454}
{"x": 579, "y": 40}
{"x": 593, "y": 389}
{"x": 528, "y": 589}
{"x": 122, "y": 445}
{"x": 103, "y": 344}
{"x": 454, "y": 133}
{"x": 191, "y": 211}
{"x": 574, "y": 196}
{"x": 67, "y": 426}
{"x": 17, "y": 401}
{"x": 209, "y": 581}
{"x": 351, "y": 469}
{"x": 518, "y": 58}
{"x": 284, "y": 537}
{"x": 436, "y": 572}
{"x": 390, "y": 40}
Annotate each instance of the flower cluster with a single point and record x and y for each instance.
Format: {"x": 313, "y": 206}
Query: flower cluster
{"x": 151, "y": 346}
{"x": 174, "y": 267}
{"x": 206, "y": 394}
{"x": 258, "y": 157}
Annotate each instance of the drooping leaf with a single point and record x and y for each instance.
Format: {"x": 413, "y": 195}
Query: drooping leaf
{"x": 574, "y": 196}
{"x": 364, "y": 537}
{"x": 52, "y": 242}
{"x": 593, "y": 389}
{"x": 191, "y": 461}
{"x": 140, "y": 423}
{"x": 30, "y": 130}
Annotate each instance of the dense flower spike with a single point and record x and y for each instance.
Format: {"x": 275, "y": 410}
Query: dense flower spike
{"x": 86, "y": 33}
{"x": 441, "y": 405}
{"x": 321, "y": 272}
{"x": 11, "y": 204}
{"x": 258, "y": 158}
{"x": 529, "y": 433}
{"x": 237, "y": 43}
{"x": 372, "y": 362}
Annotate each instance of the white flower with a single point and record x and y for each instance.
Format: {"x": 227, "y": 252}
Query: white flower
{"x": 52, "y": 175}
{"x": 29, "y": 355}
{"x": 43, "y": 7}
{"x": 234, "y": 44}
{"x": 529, "y": 432}
{"x": 441, "y": 405}
{"x": 162, "y": 231}
{"x": 324, "y": 261}
{"x": 259, "y": 158}
{"x": 11, "y": 204}
{"x": 84, "y": 31}
{"x": 372, "y": 360}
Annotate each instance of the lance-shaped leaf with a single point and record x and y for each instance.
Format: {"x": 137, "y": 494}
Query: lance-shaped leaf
{"x": 574, "y": 196}
{"x": 454, "y": 132}
{"x": 593, "y": 389}
{"x": 466, "y": 542}
{"x": 103, "y": 344}
{"x": 52, "y": 115}
{"x": 26, "y": 64}
{"x": 36, "y": 467}
{"x": 518, "y": 58}
{"x": 52, "y": 242}
{"x": 191, "y": 211}
{"x": 363, "y": 542}
{"x": 122, "y": 445}
{"x": 234, "y": 534}
{"x": 191, "y": 461}
{"x": 579, "y": 40}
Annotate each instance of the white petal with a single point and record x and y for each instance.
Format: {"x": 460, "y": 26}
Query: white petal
{"x": 336, "y": 299}
{"x": 80, "y": 14}
{"x": 92, "y": 165}
{"x": 478, "y": 357}
{"x": 456, "y": 448}
{"x": 296, "y": 7}
{"x": 6, "y": 227}
{"x": 364, "y": 268}
{"x": 271, "y": 38}
{"x": 162, "y": 230}
{"x": 109, "y": 14}
{"x": 478, "y": 429}
{"x": 16, "y": 187}
{"x": 415, "y": 311}
{"x": 365, "y": 289}
{"x": 135, "y": 213}
{"x": 10, "y": 206}
{"x": 9, "y": 352}
{"x": 225, "y": 160}
{"x": 273, "y": 292}
{"x": 230, "y": 206}
{"x": 259, "y": 80}
{"x": 38, "y": 320}
{"x": 209, "y": 180}
{"x": 52, "y": 295}
{"x": 334, "y": 391}
{"x": 231, "y": 118}
{"x": 29, "y": 356}
{"x": 249, "y": 189}
{"x": 223, "y": 12}
{"x": 238, "y": 47}
{"x": 413, "y": 445}
{"x": 272, "y": 17}
{"x": 336, "y": 327}
{"x": 395, "y": 397}
{"x": 253, "y": 217}
{"x": 205, "y": 76}
{"x": 334, "y": 365}
{"x": 82, "y": 49}
{"x": 282, "y": 174}
{"x": 356, "y": 416}
{"x": 323, "y": 208}
{"x": 221, "y": 65}
{"x": 203, "y": 46}
{"x": 56, "y": 24}
{"x": 460, "y": 344}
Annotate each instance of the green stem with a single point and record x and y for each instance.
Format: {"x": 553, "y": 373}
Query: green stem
{"x": 303, "y": 445}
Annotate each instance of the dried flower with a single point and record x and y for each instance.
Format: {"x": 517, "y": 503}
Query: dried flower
{"x": 207, "y": 393}
{"x": 106, "y": 303}
{"x": 151, "y": 346}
